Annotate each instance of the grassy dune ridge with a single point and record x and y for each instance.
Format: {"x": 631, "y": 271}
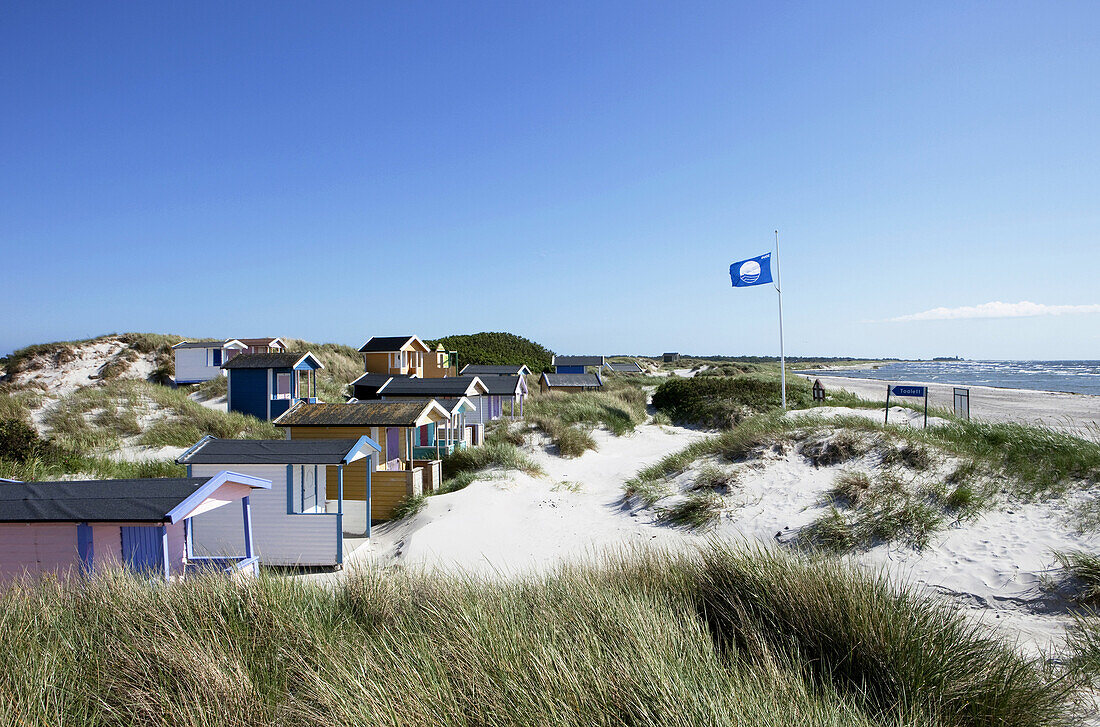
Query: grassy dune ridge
{"x": 725, "y": 637}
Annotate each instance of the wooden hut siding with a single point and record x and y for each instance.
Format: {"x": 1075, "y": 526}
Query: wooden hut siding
{"x": 390, "y": 488}
{"x": 37, "y": 549}
{"x": 279, "y": 537}
{"x": 41, "y": 548}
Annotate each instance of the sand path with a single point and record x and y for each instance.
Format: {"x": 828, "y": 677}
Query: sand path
{"x": 515, "y": 523}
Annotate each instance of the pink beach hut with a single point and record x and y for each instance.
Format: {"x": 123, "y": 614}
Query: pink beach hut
{"x": 145, "y": 525}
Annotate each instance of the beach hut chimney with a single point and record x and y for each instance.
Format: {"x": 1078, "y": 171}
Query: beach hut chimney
{"x": 819, "y": 390}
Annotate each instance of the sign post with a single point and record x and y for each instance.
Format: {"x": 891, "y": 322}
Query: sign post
{"x": 907, "y": 390}
{"x": 962, "y": 403}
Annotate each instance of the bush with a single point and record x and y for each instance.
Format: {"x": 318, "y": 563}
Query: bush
{"x": 721, "y": 402}
{"x": 18, "y": 440}
{"x": 496, "y": 349}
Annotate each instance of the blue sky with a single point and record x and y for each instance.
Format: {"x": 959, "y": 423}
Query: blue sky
{"x": 579, "y": 173}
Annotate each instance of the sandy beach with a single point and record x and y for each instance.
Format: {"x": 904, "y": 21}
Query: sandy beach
{"x": 1077, "y": 414}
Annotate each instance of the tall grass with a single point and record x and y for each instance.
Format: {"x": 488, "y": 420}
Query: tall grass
{"x": 100, "y": 417}
{"x": 461, "y": 466}
{"x": 567, "y": 418}
{"x": 750, "y": 639}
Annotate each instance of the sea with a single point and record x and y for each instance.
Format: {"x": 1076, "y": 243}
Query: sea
{"x": 1076, "y": 377}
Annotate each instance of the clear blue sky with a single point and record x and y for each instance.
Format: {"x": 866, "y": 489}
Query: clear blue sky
{"x": 579, "y": 173}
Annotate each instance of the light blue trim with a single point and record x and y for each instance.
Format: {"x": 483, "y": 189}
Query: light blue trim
{"x": 191, "y": 450}
{"x": 358, "y": 447}
{"x": 164, "y": 551}
{"x": 189, "y": 538}
{"x": 179, "y": 511}
{"x": 340, "y": 510}
{"x": 370, "y": 466}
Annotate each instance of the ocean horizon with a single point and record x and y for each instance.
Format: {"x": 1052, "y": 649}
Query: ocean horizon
{"x": 1068, "y": 376}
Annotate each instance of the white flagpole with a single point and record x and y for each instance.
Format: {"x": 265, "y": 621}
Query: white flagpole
{"x": 782, "y": 355}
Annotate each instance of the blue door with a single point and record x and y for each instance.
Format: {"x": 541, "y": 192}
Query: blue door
{"x": 142, "y": 549}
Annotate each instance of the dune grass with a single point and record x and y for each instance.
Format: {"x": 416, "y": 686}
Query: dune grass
{"x": 342, "y": 365}
{"x": 695, "y": 511}
{"x": 100, "y": 417}
{"x": 567, "y": 418}
{"x": 463, "y": 466}
{"x": 744, "y": 638}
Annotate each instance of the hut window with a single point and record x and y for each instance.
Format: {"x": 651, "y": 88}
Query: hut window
{"x": 305, "y": 487}
{"x": 282, "y": 385}
{"x": 216, "y": 357}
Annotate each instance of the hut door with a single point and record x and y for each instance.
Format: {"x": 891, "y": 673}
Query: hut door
{"x": 141, "y": 548}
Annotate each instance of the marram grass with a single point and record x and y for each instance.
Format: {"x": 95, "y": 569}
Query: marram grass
{"x": 718, "y": 638}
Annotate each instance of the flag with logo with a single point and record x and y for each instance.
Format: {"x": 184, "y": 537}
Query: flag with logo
{"x": 754, "y": 271}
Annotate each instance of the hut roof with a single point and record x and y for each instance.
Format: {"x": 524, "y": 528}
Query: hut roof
{"x": 401, "y": 413}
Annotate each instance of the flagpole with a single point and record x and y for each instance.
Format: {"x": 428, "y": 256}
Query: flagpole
{"x": 782, "y": 355}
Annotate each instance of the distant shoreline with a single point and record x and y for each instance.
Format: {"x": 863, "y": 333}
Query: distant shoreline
{"x": 1072, "y": 413}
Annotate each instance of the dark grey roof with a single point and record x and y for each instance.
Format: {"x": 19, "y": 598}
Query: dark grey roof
{"x": 385, "y": 343}
{"x": 275, "y": 360}
{"x": 450, "y": 404}
{"x": 625, "y": 367}
{"x": 148, "y": 500}
{"x": 578, "y": 360}
{"x": 501, "y": 385}
{"x": 450, "y": 386}
{"x": 200, "y": 344}
{"x": 591, "y": 380}
{"x": 269, "y": 451}
{"x": 370, "y": 379}
{"x": 495, "y": 370}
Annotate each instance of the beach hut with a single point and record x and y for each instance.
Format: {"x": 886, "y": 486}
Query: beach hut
{"x": 367, "y": 386}
{"x": 198, "y": 361}
{"x": 294, "y": 523}
{"x": 265, "y": 385}
{"x": 79, "y": 526}
{"x": 624, "y": 367}
{"x": 393, "y": 425}
{"x": 570, "y": 382}
{"x": 440, "y": 363}
{"x": 394, "y": 355}
{"x": 819, "y": 390}
{"x": 504, "y": 396}
{"x": 263, "y": 345}
{"x": 495, "y": 370}
{"x": 576, "y": 364}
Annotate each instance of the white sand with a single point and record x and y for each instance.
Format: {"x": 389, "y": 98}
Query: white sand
{"x": 1077, "y": 414}
{"x": 513, "y": 523}
{"x": 516, "y": 523}
{"x": 899, "y": 416}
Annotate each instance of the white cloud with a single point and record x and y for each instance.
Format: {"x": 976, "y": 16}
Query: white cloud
{"x": 997, "y": 309}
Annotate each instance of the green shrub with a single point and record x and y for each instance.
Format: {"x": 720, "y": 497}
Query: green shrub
{"x": 18, "y": 440}
{"x": 496, "y": 349}
{"x": 721, "y": 402}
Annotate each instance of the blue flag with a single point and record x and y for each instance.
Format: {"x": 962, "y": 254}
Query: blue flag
{"x": 754, "y": 271}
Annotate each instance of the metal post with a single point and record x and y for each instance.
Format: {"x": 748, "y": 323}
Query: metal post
{"x": 887, "y": 419}
{"x": 782, "y": 355}
{"x": 925, "y": 407}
